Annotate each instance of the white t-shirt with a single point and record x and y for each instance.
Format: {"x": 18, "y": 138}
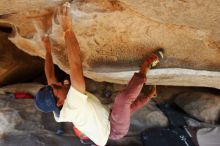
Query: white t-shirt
{"x": 87, "y": 114}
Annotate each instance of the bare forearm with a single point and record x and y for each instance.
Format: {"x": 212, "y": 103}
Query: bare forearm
{"x": 73, "y": 52}
{"x": 72, "y": 45}
{"x": 49, "y": 68}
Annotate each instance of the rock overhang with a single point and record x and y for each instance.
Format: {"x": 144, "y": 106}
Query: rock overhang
{"x": 116, "y": 36}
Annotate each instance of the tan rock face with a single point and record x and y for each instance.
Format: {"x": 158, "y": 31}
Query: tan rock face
{"x": 203, "y": 106}
{"x": 15, "y": 65}
{"x": 116, "y": 35}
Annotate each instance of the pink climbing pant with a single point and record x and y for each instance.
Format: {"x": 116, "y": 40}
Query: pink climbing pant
{"x": 125, "y": 104}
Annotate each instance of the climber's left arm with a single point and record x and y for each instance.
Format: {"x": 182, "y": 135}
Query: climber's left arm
{"x": 73, "y": 50}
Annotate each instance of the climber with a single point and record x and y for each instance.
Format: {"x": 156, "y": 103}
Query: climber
{"x": 74, "y": 104}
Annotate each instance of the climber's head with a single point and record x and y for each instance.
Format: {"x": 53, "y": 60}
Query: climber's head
{"x": 51, "y": 98}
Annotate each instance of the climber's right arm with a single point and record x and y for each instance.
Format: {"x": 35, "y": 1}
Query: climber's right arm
{"x": 49, "y": 66}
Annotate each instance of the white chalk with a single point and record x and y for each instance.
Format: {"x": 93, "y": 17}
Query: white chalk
{"x": 66, "y": 4}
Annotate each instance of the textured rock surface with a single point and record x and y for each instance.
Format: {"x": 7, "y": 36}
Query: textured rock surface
{"x": 9, "y": 118}
{"x": 168, "y": 76}
{"x": 117, "y": 34}
{"x": 147, "y": 117}
{"x": 203, "y": 106}
{"x": 15, "y": 65}
{"x": 18, "y": 114}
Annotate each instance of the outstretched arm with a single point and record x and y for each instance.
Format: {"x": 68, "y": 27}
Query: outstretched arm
{"x": 73, "y": 51}
{"x": 49, "y": 66}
